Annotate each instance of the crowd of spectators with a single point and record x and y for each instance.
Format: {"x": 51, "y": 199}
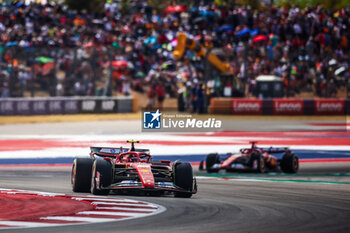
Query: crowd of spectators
{"x": 54, "y": 49}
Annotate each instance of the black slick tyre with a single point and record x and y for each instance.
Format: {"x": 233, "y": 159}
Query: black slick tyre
{"x": 184, "y": 179}
{"x": 290, "y": 163}
{"x": 81, "y": 174}
{"x": 102, "y": 174}
{"x": 210, "y": 161}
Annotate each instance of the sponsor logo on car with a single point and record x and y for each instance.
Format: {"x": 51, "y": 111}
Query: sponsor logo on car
{"x": 130, "y": 182}
{"x": 111, "y": 150}
{"x": 237, "y": 165}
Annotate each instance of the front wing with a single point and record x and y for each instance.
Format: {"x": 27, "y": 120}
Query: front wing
{"x": 239, "y": 167}
{"x": 233, "y": 166}
{"x": 158, "y": 186}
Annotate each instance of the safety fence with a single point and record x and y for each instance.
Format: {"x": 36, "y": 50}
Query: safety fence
{"x": 66, "y": 105}
{"x": 279, "y": 106}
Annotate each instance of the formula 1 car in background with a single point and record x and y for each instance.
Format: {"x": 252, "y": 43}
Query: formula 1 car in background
{"x": 253, "y": 159}
{"x": 122, "y": 169}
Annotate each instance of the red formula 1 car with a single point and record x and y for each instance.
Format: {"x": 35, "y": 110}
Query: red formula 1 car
{"x": 254, "y": 159}
{"x": 123, "y": 170}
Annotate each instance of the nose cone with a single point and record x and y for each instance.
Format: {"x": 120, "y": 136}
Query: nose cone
{"x": 146, "y": 175}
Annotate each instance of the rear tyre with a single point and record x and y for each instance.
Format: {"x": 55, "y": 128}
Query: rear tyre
{"x": 81, "y": 174}
{"x": 290, "y": 163}
{"x": 210, "y": 161}
{"x": 184, "y": 179}
{"x": 102, "y": 174}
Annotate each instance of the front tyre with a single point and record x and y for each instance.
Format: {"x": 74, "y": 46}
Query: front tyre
{"x": 184, "y": 179}
{"x": 210, "y": 161}
{"x": 290, "y": 163}
{"x": 101, "y": 177}
{"x": 81, "y": 174}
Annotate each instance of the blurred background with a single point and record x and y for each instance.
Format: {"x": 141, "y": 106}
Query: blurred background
{"x": 244, "y": 48}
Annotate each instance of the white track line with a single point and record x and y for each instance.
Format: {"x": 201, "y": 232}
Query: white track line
{"x": 109, "y": 200}
{"x": 122, "y": 205}
{"x": 128, "y": 214}
{"x": 26, "y": 224}
{"x": 14, "y": 191}
{"x": 82, "y": 219}
{"x": 125, "y": 209}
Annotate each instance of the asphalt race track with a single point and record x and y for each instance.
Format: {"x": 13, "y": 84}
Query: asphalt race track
{"x": 315, "y": 200}
{"x": 219, "y": 206}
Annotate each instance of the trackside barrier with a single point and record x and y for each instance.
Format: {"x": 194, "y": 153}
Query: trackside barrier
{"x": 279, "y": 106}
{"x": 65, "y": 105}
{"x": 220, "y": 106}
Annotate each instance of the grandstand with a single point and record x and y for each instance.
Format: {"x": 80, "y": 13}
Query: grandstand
{"x": 48, "y": 49}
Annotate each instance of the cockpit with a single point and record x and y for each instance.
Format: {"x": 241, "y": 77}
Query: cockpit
{"x": 131, "y": 156}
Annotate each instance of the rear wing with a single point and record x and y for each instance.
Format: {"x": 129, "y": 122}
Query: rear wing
{"x": 270, "y": 150}
{"x": 112, "y": 152}
{"x": 107, "y": 151}
{"x": 273, "y": 150}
